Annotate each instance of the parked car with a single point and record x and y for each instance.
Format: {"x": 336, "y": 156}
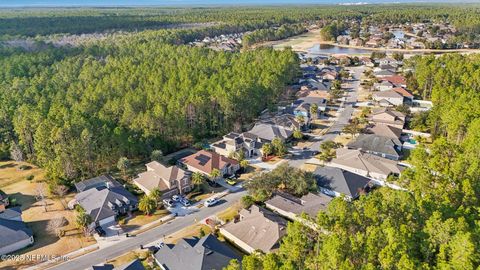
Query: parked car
{"x": 211, "y": 202}
{"x": 168, "y": 202}
{"x": 176, "y": 198}
{"x": 212, "y": 183}
{"x": 185, "y": 202}
{"x": 99, "y": 230}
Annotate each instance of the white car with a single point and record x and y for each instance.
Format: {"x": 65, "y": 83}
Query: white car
{"x": 168, "y": 202}
{"x": 211, "y": 202}
{"x": 185, "y": 202}
{"x": 176, "y": 198}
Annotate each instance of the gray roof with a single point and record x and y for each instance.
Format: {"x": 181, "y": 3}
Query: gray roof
{"x": 11, "y": 213}
{"x": 341, "y": 181}
{"x": 98, "y": 202}
{"x": 99, "y": 181}
{"x": 283, "y": 120}
{"x": 375, "y": 143}
{"x": 384, "y": 72}
{"x": 269, "y": 132}
{"x": 133, "y": 265}
{"x": 206, "y": 253}
{"x": 309, "y": 204}
{"x": 259, "y": 228}
{"x": 13, "y": 231}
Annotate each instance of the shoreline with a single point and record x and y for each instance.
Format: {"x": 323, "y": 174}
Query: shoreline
{"x": 304, "y": 42}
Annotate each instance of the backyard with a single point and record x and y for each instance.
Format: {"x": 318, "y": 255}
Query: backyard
{"x": 13, "y": 181}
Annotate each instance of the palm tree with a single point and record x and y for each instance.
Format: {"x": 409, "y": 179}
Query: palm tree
{"x": 147, "y": 204}
{"x": 297, "y": 134}
{"x": 197, "y": 179}
{"x": 215, "y": 174}
{"x": 244, "y": 164}
{"x": 156, "y": 194}
{"x": 314, "y": 110}
{"x": 267, "y": 149}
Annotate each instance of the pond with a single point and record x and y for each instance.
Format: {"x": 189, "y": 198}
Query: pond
{"x": 320, "y": 49}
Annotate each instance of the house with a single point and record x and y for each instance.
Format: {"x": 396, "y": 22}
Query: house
{"x": 4, "y": 201}
{"x": 385, "y": 131}
{"x": 14, "y": 233}
{"x": 356, "y": 42}
{"x": 287, "y": 121}
{"x": 337, "y": 182}
{"x": 407, "y": 95}
{"x": 99, "y": 181}
{"x": 256, "y": 229}
{"x": 389, "y": 98}
{"x": 373, "y": 43}
{"x": 388, "y": 116}
{"x": 169, "y": 180}
{"x": 205, "y": 162}
{"x": 105, "y": 203}
{"x": 367, "y": 61}
{"x": 292, "y": 207}
{"x": 268, "y": 132}
{"x": 387, "y": 61}
{"x": 397, "y": 80}
{"x": 384, "y": 73}
{"x": 196, "y": 254}
{"x": 301, "y": 107}
{"x": 250, "y": 144}
{"x": 365, "y": 164}
{"x": 377, "y": 145}
{"x": 383, "y": 86}
{"x": 132, "y": 265}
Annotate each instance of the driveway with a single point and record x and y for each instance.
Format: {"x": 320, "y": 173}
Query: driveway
{"x": 156, "y": 234}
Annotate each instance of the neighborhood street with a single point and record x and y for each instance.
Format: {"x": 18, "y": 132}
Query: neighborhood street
{"x": 102, "y": 255}
{"x": 344, "y": 114}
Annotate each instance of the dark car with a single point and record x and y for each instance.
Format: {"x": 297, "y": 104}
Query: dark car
{"x": 99, "y": 230}
{"x": 212, "y": 183}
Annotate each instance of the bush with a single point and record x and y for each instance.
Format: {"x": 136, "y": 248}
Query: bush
{"x": 247, "y": 201}
{"x": 30, "y": 177}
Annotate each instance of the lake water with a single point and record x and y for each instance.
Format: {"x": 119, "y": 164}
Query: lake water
{"x": 321, "y": 49}
{"x": 64, "y": 3}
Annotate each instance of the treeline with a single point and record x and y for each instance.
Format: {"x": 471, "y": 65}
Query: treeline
{"x": 433, "y": 225}
{"x": 76, "y": 113}
{"x": 331, "y": 31}
{"x": 271, "y": 34}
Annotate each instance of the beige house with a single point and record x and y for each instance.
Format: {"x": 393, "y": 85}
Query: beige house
{"x": 389, "y": 97}
{"x": 388, "y": 116}
{"x": 170, "y": 180}
{"x": 205, "y": 162}
{"x": 257, "y": 229}
{"x": 365, "y": 164}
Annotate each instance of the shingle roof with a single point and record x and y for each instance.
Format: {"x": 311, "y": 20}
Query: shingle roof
{"x": 355, "y": 159}
{"x": 196, "y": 254}
{"x": 309, "y": 204}
{"x": 402, "y": 91}
{"x": 269, "y": 132}
{"x": 96, "y": 201}
{"x": 159, "y": 176}
{"x": 133, "y": 265}
{"x": 374, "y": 143}
{"x": 259, "y": 228}
{"x": 99, "y": 181}
{"x": 385, "y": 130}
{"x": 284, "y": 120}
{"x": 387, "y": 94}
{"x": 11, "y": 213}
{"x": 341, "y": 181}
{"x": 207, "y": 161}
{"x": 13, "y": 231}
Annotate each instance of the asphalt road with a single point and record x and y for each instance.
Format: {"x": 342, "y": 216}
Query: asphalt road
{"x": 346, "y": 110}
{"x": 145, "y": 238}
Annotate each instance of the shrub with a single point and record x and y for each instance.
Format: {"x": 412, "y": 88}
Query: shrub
{"x": 30, "y": 177}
